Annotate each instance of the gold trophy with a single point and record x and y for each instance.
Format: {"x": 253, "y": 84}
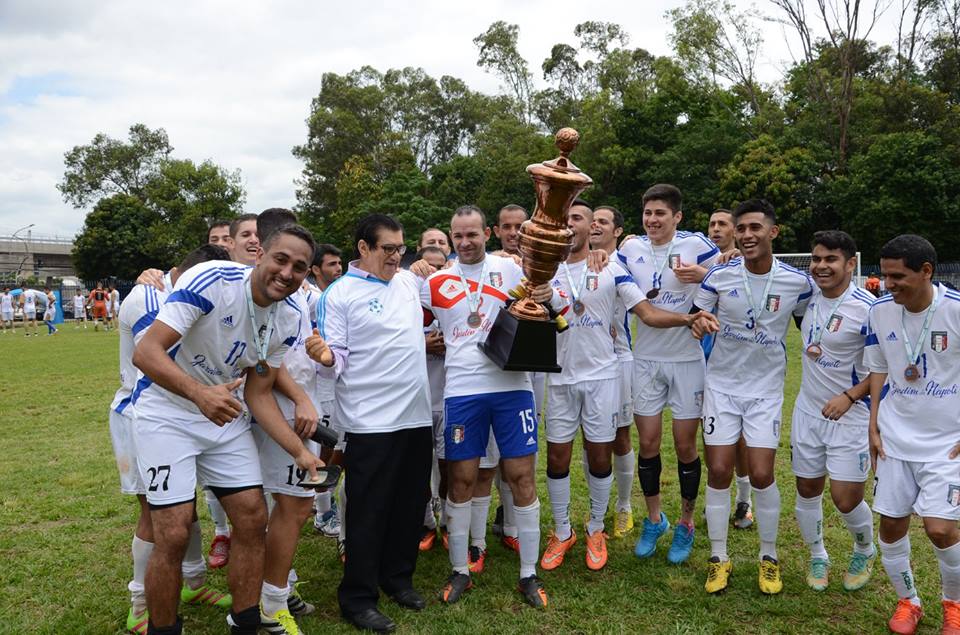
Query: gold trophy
{"x": 524, "y": 336}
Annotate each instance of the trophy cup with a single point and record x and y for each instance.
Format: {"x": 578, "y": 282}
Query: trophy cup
{"x": 524, "y": 336}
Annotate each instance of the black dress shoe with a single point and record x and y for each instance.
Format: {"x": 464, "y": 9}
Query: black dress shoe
{"x": 371, "y": 620}
{"x": 410, "y": 599}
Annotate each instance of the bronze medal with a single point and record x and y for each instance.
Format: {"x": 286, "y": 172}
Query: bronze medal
{"x": 261, "y": 367}
{"x": 652, "y": 293}
{"x": 578, "y": 307}
{"x": 912, "y": 373}
{"x": 814, "y": 351}
{"x": 473, "y": 320}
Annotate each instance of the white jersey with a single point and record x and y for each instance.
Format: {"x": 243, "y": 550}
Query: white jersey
{"x": 469, "y": 370}
{"x": 208, "y": 308}
{"x": 51, "y": 305}
{"x": 375, "y": 329}
{"x": 586, "y": 351}
{"x": 917, "y": 419}
{"x": 115, "y": 299}
{"x": 435, "y": 373}
{"x": 6, "y": 302}
{"x": 300, "y": 367}
{"x": 325, "y": 384}
{"x": 643, "y": 261}
{"x": 138, "y": 313}
{"x": 840, "y": 366}
{"x": 749, "y": 353}
{"x": 29, "y": 301}
{"x": 623, "y": 343}
{"x": 78, "y": 301}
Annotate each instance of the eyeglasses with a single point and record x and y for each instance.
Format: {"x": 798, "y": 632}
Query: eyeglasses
{"x": 393, "y": 249}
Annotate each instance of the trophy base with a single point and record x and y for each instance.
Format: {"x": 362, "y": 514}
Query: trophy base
{"x": 522, "y": 344}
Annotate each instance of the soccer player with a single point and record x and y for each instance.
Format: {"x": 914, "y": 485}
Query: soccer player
{"x": 605, "y": 234}
{"x": 243, "y": 235}
{"x": 434, "y": 237}
{"x": 6, "y": 310}
{"x": 828, "y": 433}
{"x": 50, "y": 312}
{"x": 911, "y": 352}
{"x": 327, "y": 266}
{"x": 585, "y": 395}
{"x": 219, "y": 234}
{"x": 479, "y": 396}
{"x": 79, "y": 310}
{"x": 371, "y": 338}
{"x": 507, "y": 230}
{"x": 28, "y": 304}
{"x": 113, "y": 305}
{"x": 668, "y": 364}
{"x": 98, "y": 299}
{"x": 221, "y": 323}
{"x": 720, "y": 231}
{"x": 754, "y": 297}
{"x": 137, "y": 314}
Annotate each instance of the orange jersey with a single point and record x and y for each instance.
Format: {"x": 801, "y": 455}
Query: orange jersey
{"x": 99, "y": 298}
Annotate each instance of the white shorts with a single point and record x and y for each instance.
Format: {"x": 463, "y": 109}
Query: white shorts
{"x": 726, "y": 417}
{"x": 176, "y": 448}
{"x": 625, "y": 417}
{"x": 592, "y": 405}
{"x": 929, "y": 489}
{"x": 125, "y": 452}
{"x": 29, "y": 315}
{"x": 488, "y": 461}
{"x": 280, "y": 472}
{"x": 7, "y": 316}
{"x": 49, "y": 316}
{"x": 679, "y": 385}
{"x": 819, "y": 446}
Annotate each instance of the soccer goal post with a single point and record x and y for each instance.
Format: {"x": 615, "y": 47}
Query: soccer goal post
{"x": 802, "y": 262}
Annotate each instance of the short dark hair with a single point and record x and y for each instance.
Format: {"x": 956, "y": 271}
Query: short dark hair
{"x": 430, "y": 250}
{"x": 511, "y": 207}
{"x": 270, "y": 220}
{"x": 239, "y": 220}
{"x": 204, "y": 253}
{"x": 297, "y": 231}
{"x": 836, "y": 239}
{"x": 617, "y": 215}
{"x": 581, "y": 203}
{"x": 752, "y": 205}
{"x": 913, "y": 250}
{"x": 669, "y": 194}
{"x": 217, "y": 223}
{"x": 467, "y": 210}
{"x": 324, "y": 249}
{"x": 723, "y": 210}
{"x": 370, "y": 225}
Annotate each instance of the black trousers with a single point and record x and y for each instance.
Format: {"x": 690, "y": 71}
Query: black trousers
{"x": 387, "y": 487}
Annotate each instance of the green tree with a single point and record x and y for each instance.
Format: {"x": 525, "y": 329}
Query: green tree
{"x": 115, "y": 240}
{"x": 498, "y": 54}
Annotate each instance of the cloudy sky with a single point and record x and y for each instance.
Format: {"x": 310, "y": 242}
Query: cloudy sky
{"x": 232, "y": 81}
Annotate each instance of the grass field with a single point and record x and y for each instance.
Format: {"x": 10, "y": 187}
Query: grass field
{"x": 65, "y": 534}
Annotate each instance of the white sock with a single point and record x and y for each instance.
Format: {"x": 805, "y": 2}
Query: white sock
{"x": 219, "y": 516}
{"x": 599, "y": 499}
{"x": 141, "y": 550}
{"x": 429, "y": 520}
{"x": 895, "y": 557}
{"x": 322, "y": 502}
{"x": 292, "y": 579}
{"x": 559, "y": 491}
{"x": 509, "y": 518}
{"x": 718, "y": 518}
{"x": 528, "y": 533}
{"x": 458, "y": 526}
{"x": 479, "y": 510}
{"x": 272, "y": 598}
{"x": 767, "y": 512}
{"x": 810, "y": 519}
{"x": 743, "y": 489}
{"x": 623, "y": 467}
{"x": 859, "y": 522}
{"x": 194, "y": 567}
{"x": 949, "y": 560}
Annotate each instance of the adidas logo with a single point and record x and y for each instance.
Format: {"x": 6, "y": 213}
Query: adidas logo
{"x": 892, "y": 337}
{"x": 531, "y": 441}
{"x": 733, "y": 294}
{"x": 640, "y": 260}
{"x": 228, "y": 321}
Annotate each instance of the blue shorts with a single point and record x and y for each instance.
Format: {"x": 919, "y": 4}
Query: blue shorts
{"x": 468, "y": 420}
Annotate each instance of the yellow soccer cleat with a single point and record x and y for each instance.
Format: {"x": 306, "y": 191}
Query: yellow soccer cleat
{"x": 623, "y": 523}
{"x": 718, "y": 574}
{"x": 769, "y": 576}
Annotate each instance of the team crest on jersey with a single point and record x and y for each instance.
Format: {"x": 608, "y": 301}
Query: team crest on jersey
{"x": 456, "y": 434}
{"x": 864, "y": 461}
{"x": 938, "y": 341}
{"x": 592, "y": 283}
{"x": 773, "y": 303}
{"x": 496, "y": 279}
{"x": 953, "y": 494}
{"x": 375, "y": 306}
{"x": 833, "y": 324}
{"x": 674, "y": 260}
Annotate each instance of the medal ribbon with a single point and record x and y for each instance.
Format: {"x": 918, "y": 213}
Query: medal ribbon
{"x": 757, "y": 310}
{"x": 817, "y": 326}
{"x": 658, "y": 276}
{"x": 473, "y": 299}
{"x": 575, "y": 290}
{"x": 259, "y": 341}
{"x": 913, "y": 350}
